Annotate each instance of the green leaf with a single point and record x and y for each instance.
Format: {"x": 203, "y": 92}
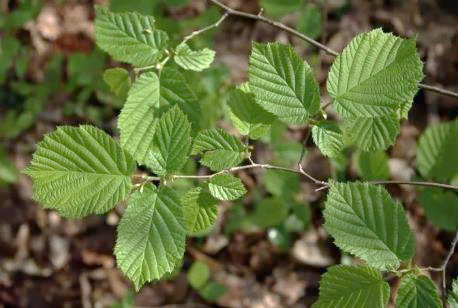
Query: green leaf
{"x": 372, "y": 133}
{"x": 8, "y": 172}
{"x": 283, "y": 83}
{"x": 194, "y": 60}
{"x": 441, "y": 208}
{"x": 220, "y": 150}
{"x": 365, "y": 221}
{"x": 138, "y": 117}
{"x": 328, "y": 138}
{"x": 118, "y": 79}
{"x": 373, "y": 165}
{"x": 200, "y": 211}
{"x": 129, "y": 37}
{"x": 198, "y": 275}
{"x": 270, "y": 212}
{"x": 171, "y": 143}
{"x": 80, "y": 171}
{"x": 374, "y": 75}
{"x": 278, "y": 9}
{"x": 281, "y": 183}
{"x": 176, "y": 91}
{"x": 437, "y": 154}
{"x": 212, "y": 291}
{"x": 417, "y": 291}
{"x": 151, "y": 235}
{"x": 452, "y": 299}
{"x": 347, "y": 286}
{"x": 244, "y": 106}
{"x": 302, "y": 212}
{"x": 309, "y": 21}
{"x": 370, "y": 82}
{"x": 225, "y": 186}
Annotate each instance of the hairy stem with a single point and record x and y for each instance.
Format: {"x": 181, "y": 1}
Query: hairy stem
{"x": 197, "y": 32}
{"x": 315, "y": 43}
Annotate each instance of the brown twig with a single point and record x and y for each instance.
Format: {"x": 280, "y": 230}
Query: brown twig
{"x": 315, "y": 43}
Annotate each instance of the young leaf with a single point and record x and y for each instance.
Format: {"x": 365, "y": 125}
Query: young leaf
{"x": 372, "y": 133}
{"x": 129, "y": 37}
{"x": 176, "y": 91}
{"x": 441, "y": 208}
{"x": 171, "y": 143}
{"x": 270, "y": 212}
{"x": 417, "y": 291}
{"x": 80, "y": 171}
{"x": 138, "y": 117}
{"x": 151, "y": 235}
{"x": 200, "y": 211}
{"x": 194, "y": 60}
{"x": 198, "y": 275}
{"x": 225, "y": 186}
{"x": 220, "y": 150}
{"x": 437, "y": 154}
{"x": 283, "y": 83}
{"x": 452, "y": 298}
{"x": 374, "y": 75}
{"x": 373, "y": 165}
{"x": 365, "y": 221}
{"x": 328, "y": 137}
{"x": 118, "y": 80}
{"x": 346, "y": 286}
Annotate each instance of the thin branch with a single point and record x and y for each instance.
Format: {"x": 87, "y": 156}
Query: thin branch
{"x": 428, "y": 184}
{"x": 197, "y": 32}
{"x": 276, "y": 24}
{"x": 304, "y": 37}
{"x": 252, "y": 166}
{"x": 447, "y": 259}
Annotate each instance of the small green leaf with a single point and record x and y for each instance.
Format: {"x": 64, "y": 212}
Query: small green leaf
{"x": 80, "y": 171}
{"x": 200, "y": 211}
{"x": 8, "y": 172}
{"x": 309, "y": 21}
{"x": 281, "y": 183}
{"x": 437, "y": 151}
{"x": 138, "y": 117}
{"x": 151, "y": 235}
{"x": 244, "y": 106}
{"x": 283, "y": 83}
{"x": 452, "y": 299}
{"x": 278, "y": 9}
{"x": 347, "y": 286}
{"x": 118, "y": 79}
{"x": 171, "y": 143}
{"x": 302, "y": 211}
{"x": 373, "y": 165}
{"x": 194, "y": 60}
{"x": 441, "y": 208}
{"x": 198, "y": 275}
{"x": 212, "y": 291}
{"x": 219, "y": 149}
{"x": 225, "y": 186}
{"x": 365, "y": 221}
{"x": 270, "y": 212}
{"x": 129, "y": 37}
{"x": 328, "y": 138}
{"x": 417, "y": 291}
